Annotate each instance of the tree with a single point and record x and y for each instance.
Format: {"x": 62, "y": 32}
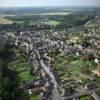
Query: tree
{"x": 9, "y": 87}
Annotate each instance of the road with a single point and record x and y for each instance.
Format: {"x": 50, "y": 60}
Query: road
{"x": 46, "y": 69}
{"x": 55, "y": 95}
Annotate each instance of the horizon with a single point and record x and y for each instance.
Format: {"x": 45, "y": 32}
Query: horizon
{"x": 52, "y": 7}
{"x": 49, "y": 3}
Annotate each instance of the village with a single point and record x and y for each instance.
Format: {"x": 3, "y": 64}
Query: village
{"x": 68, "y": 66}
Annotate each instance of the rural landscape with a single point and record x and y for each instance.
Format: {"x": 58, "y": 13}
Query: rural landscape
{"x": 50, "y": 53}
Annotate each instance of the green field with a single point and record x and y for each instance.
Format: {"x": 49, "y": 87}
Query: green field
{"x": 50, "y": 22}
{"x": 53, "y": 22}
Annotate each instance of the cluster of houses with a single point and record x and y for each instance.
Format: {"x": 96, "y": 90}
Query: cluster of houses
{"x": 44, "y": 42}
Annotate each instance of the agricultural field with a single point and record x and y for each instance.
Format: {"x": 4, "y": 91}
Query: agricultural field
{"x": 5, "y": 15}
{"x": 5, "y": 21}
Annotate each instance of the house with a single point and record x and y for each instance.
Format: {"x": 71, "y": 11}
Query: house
{"x": 90, "y": 86}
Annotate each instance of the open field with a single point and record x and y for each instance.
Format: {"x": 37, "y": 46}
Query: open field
{"x": 57, "y": 13}
{"x": 52, "y": 13}
{"x": 5, "y": 21}
{"x": 53, "y": 22}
